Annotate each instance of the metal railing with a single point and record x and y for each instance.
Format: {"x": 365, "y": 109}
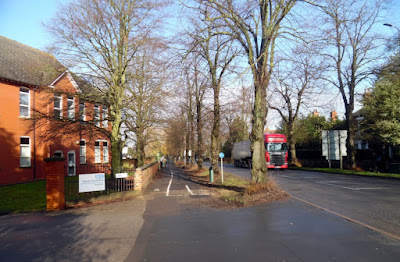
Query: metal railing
{"x": 112, "y": 185}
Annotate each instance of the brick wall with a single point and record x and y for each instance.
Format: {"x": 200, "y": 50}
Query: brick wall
{"x": 55, "y": 189}
{"x": 143, "y": 175}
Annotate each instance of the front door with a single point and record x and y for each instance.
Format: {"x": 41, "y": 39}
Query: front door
{"x": 71, "y": 163}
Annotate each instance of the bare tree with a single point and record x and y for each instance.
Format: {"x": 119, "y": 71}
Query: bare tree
{"x": 175, "y": 131}
{"x": 216, "y": 51}
{"x": 295, "y": 81}
{"x": 255, "y": 25}
{"x": 146, "y": 92}
{"x": 199, "y": 89}
{"x": 98, "y": 39}
{"x": 352, "y": 46}
{"x": 190, "y": 92}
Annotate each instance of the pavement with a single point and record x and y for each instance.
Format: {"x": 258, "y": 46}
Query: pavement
{"x": 97, "y": 233}
{"x": 166, "y": 224}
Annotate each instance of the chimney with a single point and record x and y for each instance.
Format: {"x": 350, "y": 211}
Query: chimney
{"x": 334, "y": 116}
{"x": 315, "y": 113}
{"x": 367, "y": 93}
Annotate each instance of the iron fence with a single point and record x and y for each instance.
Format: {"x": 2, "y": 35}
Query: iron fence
{"x": 112, "y": 185}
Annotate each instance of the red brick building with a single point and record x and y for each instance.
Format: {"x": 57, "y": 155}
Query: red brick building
{"x": 45, "y": 111}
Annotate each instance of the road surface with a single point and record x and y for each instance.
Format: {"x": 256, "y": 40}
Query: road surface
{"x": 372, "y": 201}
{"x": 291, "y": 230}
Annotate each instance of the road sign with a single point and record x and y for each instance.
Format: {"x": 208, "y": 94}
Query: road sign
{"x": 334, "y": 144}
{"x": 221, "y": 155}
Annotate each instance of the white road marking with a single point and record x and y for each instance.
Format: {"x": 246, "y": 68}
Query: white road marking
{"x": 169, "y": 186}
{"x": 291, "y": 177}
{"x": 190, "y": 191}
{"x": 297, "y": 178}
{"x": 354, "y": 188}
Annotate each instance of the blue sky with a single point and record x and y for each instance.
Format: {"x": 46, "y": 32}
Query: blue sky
{"x": 20, "y": 20}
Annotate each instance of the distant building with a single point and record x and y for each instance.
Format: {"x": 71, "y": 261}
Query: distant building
{"x": 315, "y": 112}
{"x": 47, "y": 111}
{"x": 334, "y": 116}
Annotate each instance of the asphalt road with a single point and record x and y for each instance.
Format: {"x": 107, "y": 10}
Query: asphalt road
{"x": 372, "y": 201}
{"x": 177, "y": 230}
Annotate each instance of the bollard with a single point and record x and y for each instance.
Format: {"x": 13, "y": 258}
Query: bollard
{"x": 211, "y": 174}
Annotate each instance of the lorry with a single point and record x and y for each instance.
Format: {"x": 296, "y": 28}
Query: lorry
{"x": 276, "y": 152}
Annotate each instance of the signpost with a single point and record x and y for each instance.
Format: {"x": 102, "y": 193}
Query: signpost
{"x": 221, "y": 155}
{"x": 92, "y": 182}
{"x": 334, "y": 145}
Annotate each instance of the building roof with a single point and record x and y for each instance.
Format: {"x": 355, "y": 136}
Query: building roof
{"x": 24, "y": 64}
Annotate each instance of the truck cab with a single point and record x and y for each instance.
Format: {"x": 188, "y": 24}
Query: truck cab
{"x": 276, "y": 151}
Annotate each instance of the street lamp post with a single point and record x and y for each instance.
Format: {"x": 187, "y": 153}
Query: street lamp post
{"x": 398, "y": 35}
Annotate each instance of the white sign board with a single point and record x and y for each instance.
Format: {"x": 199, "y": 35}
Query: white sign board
{"x": 334, "y": 144}
{"x": 92, "y": 182}
{"x": 121, "y": 175}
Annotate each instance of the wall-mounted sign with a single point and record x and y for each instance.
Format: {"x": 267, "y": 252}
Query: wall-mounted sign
{"x": 92, "y": 182}
{"x": 121, "y": 175}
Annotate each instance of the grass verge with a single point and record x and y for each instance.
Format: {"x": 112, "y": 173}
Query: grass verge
{"x": 25, "y": 197}
{"x": 236, "y": 191}
{"x": 31, "y": 196}
{"x": 347, "y": 172}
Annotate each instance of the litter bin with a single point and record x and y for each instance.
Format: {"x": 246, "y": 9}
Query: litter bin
{"x": 211, "y": 174}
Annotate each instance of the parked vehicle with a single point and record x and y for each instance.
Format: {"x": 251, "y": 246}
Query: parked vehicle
{"x": 276, "y": 152}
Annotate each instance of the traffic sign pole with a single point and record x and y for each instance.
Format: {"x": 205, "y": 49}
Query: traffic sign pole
{"x": 221, "y": 155}
{"x": 222, "y": 171}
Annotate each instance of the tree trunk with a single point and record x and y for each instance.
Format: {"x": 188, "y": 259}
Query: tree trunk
{"x": 140, "y": 147}
{"x": 292, "y": 144}
{"x": 215, "y": 132}
{"x": 199, "y": 137}
{"x": 192, "y": 157}
{"x": 187, "y": 143}
{"x": 116, "y": 143}
{"x": 259, "y": 166}
{"x": 351, "y": 152}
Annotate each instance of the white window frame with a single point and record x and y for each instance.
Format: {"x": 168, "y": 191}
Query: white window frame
{"x": 59, "y": 151}
{"x": 104, "y": 115}
{"x": 58, "y": 108}
{"x": 20, "y": 152}
{"x": 97, "y": 152}
{"x": 82, "y": 113}
{"x": 82, "y": 152}
{"x": 74, "y": 162}
{"x": 106, "y": 152}
{"x": 71, "y": 108}
{"x": 97, "y": 115}
{"x": 22, "y": 90}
